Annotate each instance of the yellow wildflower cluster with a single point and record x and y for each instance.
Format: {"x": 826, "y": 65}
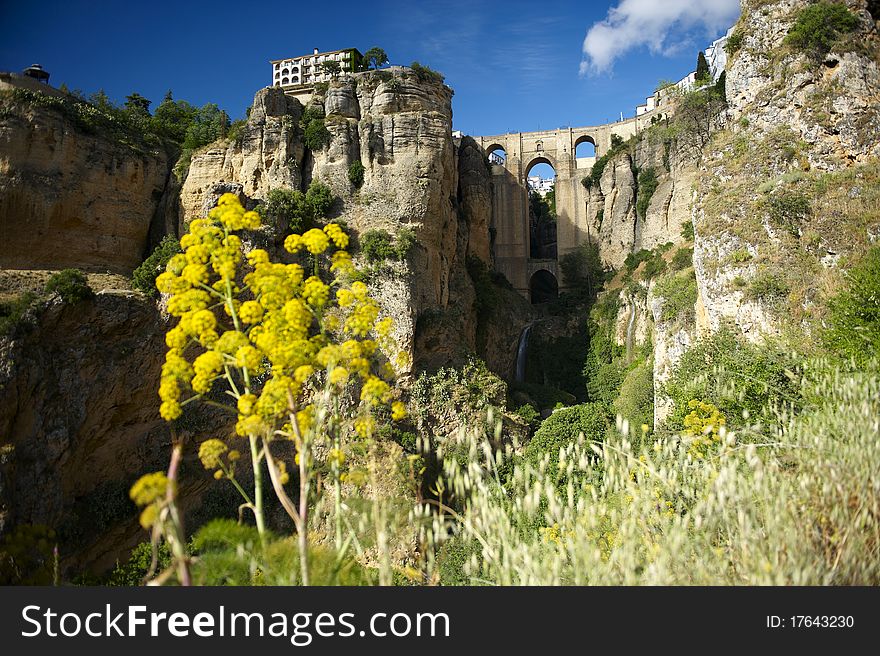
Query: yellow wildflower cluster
{"x": 246, "y": 319}
{"x": 704, "y": 423}
{"x": 148, "y": 492}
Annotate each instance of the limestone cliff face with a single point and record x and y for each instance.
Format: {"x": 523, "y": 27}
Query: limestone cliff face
{"x": 612, "y": 202}
{"x": 268, "y": 154}
{"x": 415, "y": 177}
{"x": 79, "y": 419}
{"x": 792, "y": 118}
{"x": 70, "y": 198}
{"x": 780, "y": 195}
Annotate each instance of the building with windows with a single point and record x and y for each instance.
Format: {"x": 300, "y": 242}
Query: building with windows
{"x": 307, "y": 70}
{"x": 716, "y": 57}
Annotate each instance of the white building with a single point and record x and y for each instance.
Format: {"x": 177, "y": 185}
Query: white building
{"x": 306, "y": 70}
{"x": 716, "y": 57}
{"x": 541, "y": 185}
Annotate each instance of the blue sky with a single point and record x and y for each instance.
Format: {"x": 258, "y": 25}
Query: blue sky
{"x": 514, "y": 66}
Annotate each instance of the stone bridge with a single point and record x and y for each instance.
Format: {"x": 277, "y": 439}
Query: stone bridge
{"x": 510, "y": 203}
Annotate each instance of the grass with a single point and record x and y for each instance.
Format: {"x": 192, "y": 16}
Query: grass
{"x": 800, "y": 510}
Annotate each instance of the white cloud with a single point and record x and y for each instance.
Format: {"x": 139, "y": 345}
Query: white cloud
{"x": 661, "y": 25}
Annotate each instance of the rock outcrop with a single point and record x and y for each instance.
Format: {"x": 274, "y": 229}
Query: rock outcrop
{"x": 399, "y": 127}
{"x": 613, "y": 202}
{"x": 70, "y": 197}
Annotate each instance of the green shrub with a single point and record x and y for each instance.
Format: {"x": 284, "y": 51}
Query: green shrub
{"x": 318, "y": 201}
{"x": 687, "y": 230}
{"x": 71, "y": 284}
{"x": 734, "y": 375}
{"x": 633, "y": 260}
{"x": 788, "y": 209}
{"x": 316, "y": 135}
{"x": 12, "y": 312}
{"x": 144, "y": 277}
{"x": 683, "y": 258}
{"x": 679, "y": 292}
{"x": 635, "y": 401}
{"x": 854, "y": 314}
{"x": 297, "y": 210}
{"x": 379, "y": 245}
{"x": 647, "y": 185}
{"x": 376, "y": 245}
{"x": 561, "y": 429}
{"x": 356, "y": 173}
{"x": 819, "y": 27}
{"x": 734, "y": 42}
{"x": 529, "y": 414}
{"x": 602, "y": 371}
{"x": 654, "y": 267}
{"x": 311, "y": 113}
{"x": 425, "y": 74}
{"x": 595, "y": 176}
{"x": 232, "y": 554}
{"x": 134, "y": 571}
{"x": 236, "y": 130}
{"x": 582, "y": 269}
{"x": 767, "y": 287}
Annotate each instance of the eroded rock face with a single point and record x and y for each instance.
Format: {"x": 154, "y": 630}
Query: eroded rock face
{"x": 400, "y": 129}
{"x": 79, "y": 420}
{"x": 268, "y": 154}
{"x": 69, "y": 198}
{"x": 833, "y": 106}
{"x": 622, "y": 230}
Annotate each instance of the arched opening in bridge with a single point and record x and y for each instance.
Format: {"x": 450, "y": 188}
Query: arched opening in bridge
{"x": 543, "y": 287}
{"x": 496, "y": 155}
{"x": 541, "y": 180}
{"x": 585, "y": 149}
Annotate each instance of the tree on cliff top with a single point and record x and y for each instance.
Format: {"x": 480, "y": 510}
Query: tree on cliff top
{"x": 375, "y": 57}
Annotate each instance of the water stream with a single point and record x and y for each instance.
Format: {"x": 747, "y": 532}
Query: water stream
{"x": 521, "y": 353}
{"x": 629, "y": 329}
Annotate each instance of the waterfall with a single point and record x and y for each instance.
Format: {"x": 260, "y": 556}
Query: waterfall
{"x": 521, "y": 354}
{"x": 629, "y": 329}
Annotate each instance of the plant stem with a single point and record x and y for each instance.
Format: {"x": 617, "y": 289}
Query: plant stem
{"x": 258, "y": 488}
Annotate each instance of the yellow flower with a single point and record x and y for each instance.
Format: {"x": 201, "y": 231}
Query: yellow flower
{"x": 246, "y": 404}
{"x": 149, "y": 488}
{"x": 208, "y": 364}
{"x": 336, "y": 234}
{"x": 202, "y": 321}
{"x": 303, "y": 372}
{"x": 170, "y": 410}
{"x": 257, "y": 256}
{"x": 248, "y": 357}
{"x": 364, "y": 427}
{"x": 250, "y": 312}
{"x": 345, "y": 297}
{"x": 210, "y": 452}
{"x": 338, "y": 376}
{"x": 316, "y": 241}
{"x": 315, "y": 292}
{"x": 398, "y": 411}
{"x": 293, "y": 243}
{"x": 148, "y": 516}
{"x": 375, "y": 391}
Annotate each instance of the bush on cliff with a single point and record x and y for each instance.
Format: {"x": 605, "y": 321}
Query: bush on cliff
{"x": 71, "y": 284}
{"x": 144, "y": 277}
{"x": 820, "y": 26}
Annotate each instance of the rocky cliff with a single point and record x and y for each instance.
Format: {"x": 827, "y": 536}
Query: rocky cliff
{"x": 72, "y": 193}
{"x": 399, "y": 127}
{"x": 781, "y": 189}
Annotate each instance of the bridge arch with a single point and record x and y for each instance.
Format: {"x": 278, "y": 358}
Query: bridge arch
{"x": 543, "y": 287}
{"x": 585, "y": 146}
{"x": 540, "y": 159}
{"x": 496, "y": 153}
